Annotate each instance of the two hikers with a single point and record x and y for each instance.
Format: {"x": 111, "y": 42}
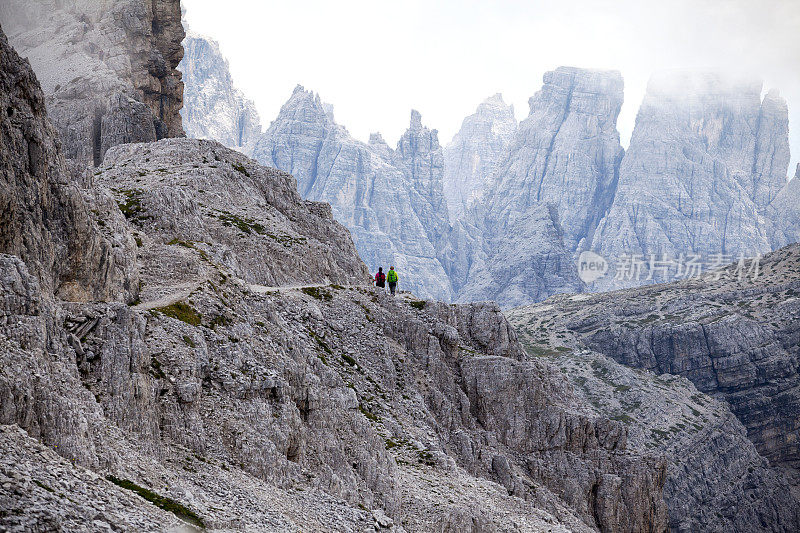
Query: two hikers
{"x": 391, "y": 277}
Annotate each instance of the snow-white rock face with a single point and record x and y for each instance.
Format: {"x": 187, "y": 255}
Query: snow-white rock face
{"x": 213, "y": 108}
{"x": 471, "y": 156}
{"x": 107, "y": 68}
{"x": 391, "y": 202}
{"x": 706, "y": 158}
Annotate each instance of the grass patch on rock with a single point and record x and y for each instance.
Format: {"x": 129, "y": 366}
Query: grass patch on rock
{"x": 244, "y": 224}
{"x": 622, "y": 418}
{"x": 179, "y": 242}
{"x": 183, "y": 312}
{"x": 321, "y": 343}
{"x": 220, "y": 320}
{"x": 167, "y": 504}
{"x": 238, "y": 167}
{"x": 317, "y": 292}
{"x": 131, "y": 204}
{"x": 417, "y": 304}
{"x": 370, "y": 416}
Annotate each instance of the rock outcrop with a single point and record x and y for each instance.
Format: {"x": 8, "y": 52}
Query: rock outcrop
{"x": 266, "y": 234}
{"x": 716, "y": 479}
{"x": 704, "y": 179}
{"x": 733, "y": 336}
{"x": 107, "y": 69}
{"x": 44, "y": 218}
{"x": 784, "y": 213}
{"x": 526, "y": 262}
{"x": 231, "y": 388}
{"x": 470, "y": 158}
{"x": 391, "y": 202}
{"x": 706, "y": 158}
{"x": 419, "y": 157}
{"x": 564, "y": 156}
{"x": 213, "y": 108}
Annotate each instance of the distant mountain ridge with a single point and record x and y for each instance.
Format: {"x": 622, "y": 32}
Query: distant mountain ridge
{"x": 214, "y": 108}
{"x": 390, "y": 200}
{"x": 704, "y": 176}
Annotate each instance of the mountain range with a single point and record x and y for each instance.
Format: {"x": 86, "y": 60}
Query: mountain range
{"x": 189, "y": 339}
{"x": 703, "y": 182}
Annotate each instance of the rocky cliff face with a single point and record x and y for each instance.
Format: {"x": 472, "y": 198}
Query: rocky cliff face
{"x": 45, "y": 219}
{"x": 706, "y": 158}
{"x": 784, "y": 211}
{"x": 735, "y": 339}
{"x": 213, "y": 108}
{"x": 391, "y": 202}
{"x": 705, "y": 177}
{"x": 107, "y": 69}
{"x": 420, "y": 158}
{"x": 564, "y": 155}
{"x": 471, "y": 156}
{"x": 550, "y": 189}
{"x": 229, "y": 386}
{"x": 716, "y": 479}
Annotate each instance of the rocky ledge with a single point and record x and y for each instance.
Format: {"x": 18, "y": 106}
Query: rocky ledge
{"x": 735, "y": 338}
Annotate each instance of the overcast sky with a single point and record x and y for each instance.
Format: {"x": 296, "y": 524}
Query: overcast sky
{"x": 376, "y": 60}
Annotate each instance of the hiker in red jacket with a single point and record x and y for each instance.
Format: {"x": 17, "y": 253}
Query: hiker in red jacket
{"x": 380, "y": 278}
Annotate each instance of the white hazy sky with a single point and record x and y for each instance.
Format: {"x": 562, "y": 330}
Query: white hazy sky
{"x": 376, "y": 60}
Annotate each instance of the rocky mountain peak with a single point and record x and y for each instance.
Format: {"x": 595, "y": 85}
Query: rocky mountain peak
{"x": 588, "y": 87}
{"x": 470, "y": 158}
{"x": 771, "y": 151}
{"x": 495, "y": 108}
{"x": 496, "y": 100}
{"x": 371, "y": 188}
{"x": 416, "y": 120}
{"x": 305, "y": 106}
{"x": 376, "y": 138}
{"x": 574, "y": 112}
{"x": 708, "y": 193}
{"x": 419, "y": 156}
{"x": 213, "y": 107}
{"x": 380, "y": 147}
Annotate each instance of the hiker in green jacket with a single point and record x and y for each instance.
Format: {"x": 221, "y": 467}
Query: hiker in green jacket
{"x": 391, "y": 278}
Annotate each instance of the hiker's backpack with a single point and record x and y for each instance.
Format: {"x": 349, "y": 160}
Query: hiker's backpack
{"x": 381, "y": 277}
